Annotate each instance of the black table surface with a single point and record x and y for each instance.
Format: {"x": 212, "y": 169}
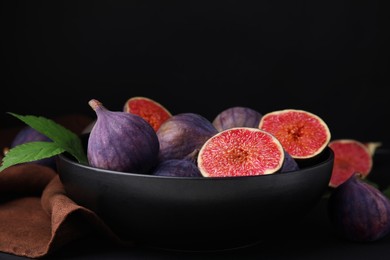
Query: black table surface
{"x": 311, "y": 238}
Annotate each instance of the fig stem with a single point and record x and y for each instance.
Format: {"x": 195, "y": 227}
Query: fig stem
{"x": 94, "y": 104}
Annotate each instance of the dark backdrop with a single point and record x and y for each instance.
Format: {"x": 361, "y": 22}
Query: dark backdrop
{"x": 328, "y": 57}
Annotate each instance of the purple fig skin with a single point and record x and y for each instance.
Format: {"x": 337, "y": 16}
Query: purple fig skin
{"x": 28, "y": 134}
{"x": 289, "y": 163}
{"x": 121, "y": 141}
{"x": 359, "y": 211}
{"x": 182, "y": 135}
{"x": 177, "y": 168}
{"x": 237, "y": 117}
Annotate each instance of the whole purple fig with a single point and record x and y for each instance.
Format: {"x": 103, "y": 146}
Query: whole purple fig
{"x": 182, "y": 135}
{"x": 237, "y": 117}
{"x": 289, "y": 163}
{"x": 177, "y": 168}
{"x": 121, "y": 141}
{"x": 28, "y": 134}
{"x": 359, "y": 211}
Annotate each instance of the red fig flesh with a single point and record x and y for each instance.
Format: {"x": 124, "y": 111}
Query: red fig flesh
{"x": 240, "y": 151}
{"x": 150, "y": 110}
{"x": 121, "y": 141}
{"x": 350, "y": 157}
{"x": 303, "y": 134}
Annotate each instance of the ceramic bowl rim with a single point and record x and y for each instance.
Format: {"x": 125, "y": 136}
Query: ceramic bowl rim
{"x": 329, "y": 157}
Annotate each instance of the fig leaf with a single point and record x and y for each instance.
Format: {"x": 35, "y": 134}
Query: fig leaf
{"x": 63, "y": 139}
{"x": 29, "y": 152}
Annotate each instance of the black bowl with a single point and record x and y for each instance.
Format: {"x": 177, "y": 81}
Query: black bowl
{"x": 197, "y": 213}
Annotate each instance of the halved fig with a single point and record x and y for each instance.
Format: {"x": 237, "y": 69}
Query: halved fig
{"x": 303, "y": 134}
{"x": 350, "y": 157}
{"x": 150, "y": 110}
{"x": 240, "y": 151}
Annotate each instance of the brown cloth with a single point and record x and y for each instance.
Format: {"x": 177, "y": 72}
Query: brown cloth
{"x": 36, "y": 216}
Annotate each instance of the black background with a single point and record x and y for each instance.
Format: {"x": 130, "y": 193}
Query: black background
{"x": 328, "y": 57}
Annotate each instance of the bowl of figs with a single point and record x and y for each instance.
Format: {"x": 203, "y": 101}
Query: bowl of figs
{"x": 184, "y": 182}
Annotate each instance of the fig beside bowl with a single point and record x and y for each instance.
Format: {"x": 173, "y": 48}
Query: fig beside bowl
{"x": 197, "y": 213}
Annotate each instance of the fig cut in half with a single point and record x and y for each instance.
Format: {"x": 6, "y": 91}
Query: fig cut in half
{"x": 303, "y": 134}
{"x": 240, "y": 151}
{"x": 150, "y": 110}
{"x": 350, "y": 157}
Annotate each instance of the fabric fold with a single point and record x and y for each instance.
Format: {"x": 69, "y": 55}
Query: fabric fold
{"x": 37, "y": 218}
{"x": 42, "y": 221}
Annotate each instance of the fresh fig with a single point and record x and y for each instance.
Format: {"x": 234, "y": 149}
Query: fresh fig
{"x": 177, "y": 168}
{"x": 237, "y": 117}
{"x": 240, "y": 151}
{"x": 182, "y": 135}
{"x": 289, "y": 163}
{"x": 350, "y": 156}
{"x": 150, "y": 110}
{"x": 303, "y": 134}
{"x": 121, "y": 141}
{"x": 28, "y": 134}
{"x": 358, "y": 211}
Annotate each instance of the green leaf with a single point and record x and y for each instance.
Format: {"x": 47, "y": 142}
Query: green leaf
{"x": 29, "y": 152}
{"x": 63, "y": 139}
